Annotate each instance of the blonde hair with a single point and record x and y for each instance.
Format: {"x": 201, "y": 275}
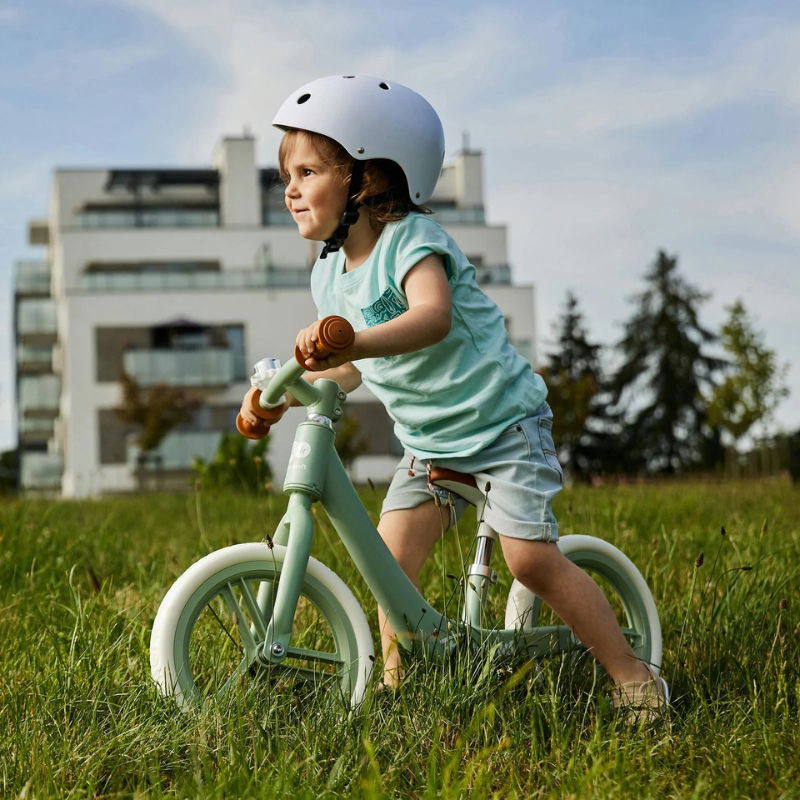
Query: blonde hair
{"x": 384, "y": 188}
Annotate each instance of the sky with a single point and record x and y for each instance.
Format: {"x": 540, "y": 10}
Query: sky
{"x": 610, "y": 129}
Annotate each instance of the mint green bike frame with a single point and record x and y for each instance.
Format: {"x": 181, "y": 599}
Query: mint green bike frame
{"x": 315, "y": 473}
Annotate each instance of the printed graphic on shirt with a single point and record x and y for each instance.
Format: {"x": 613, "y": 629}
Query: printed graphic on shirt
{"x": 387, "y": 306}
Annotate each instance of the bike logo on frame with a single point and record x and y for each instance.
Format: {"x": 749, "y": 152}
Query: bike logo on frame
{"x": 300, "y": 449}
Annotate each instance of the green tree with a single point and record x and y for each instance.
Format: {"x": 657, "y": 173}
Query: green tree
{"x": 349, "y": 445}
{"x": 9, "y": 470}
{"x": 238, "y": 463}
{"x": 754, "y": 383}
{"x": 663, "y": 373}
{"x": 574, "y": 381}
{"x": 155, "y": 412}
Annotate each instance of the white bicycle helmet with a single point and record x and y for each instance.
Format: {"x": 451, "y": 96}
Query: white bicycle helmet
{"x": 370, "y": 118}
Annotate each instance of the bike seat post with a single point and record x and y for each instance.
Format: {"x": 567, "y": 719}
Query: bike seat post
{"x": 480, "y": 576}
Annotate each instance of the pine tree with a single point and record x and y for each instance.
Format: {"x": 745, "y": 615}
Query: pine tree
{"x": 574, "y": 380}
{"x": 663, "y": 373}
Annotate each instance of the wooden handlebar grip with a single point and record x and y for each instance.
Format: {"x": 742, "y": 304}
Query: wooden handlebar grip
{"x": 257, "y": 431}
{"x": 335, "y": 334}
{"x": 268, "y": 414}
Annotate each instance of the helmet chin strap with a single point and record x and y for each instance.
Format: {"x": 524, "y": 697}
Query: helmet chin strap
{"x": 350, "y": 216}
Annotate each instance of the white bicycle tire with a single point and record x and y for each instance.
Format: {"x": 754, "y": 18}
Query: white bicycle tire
{"x": 163, "y": 637}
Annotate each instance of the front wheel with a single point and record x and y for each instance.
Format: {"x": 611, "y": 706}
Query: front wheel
{"x": 209, "y": 632}
{"x": 623, "y": 585}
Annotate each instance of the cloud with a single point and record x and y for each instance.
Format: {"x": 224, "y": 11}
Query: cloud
{"x": 9, "y": 15}
{"x": 594, "y": 163}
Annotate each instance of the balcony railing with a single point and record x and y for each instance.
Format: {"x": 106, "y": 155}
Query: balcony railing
{"x": 179, "y": 449}
{"x": 276, "y": 216}
{"x": 37, "y": 316}
{"x": 208, "y": 367}
{"x": 33, "y": 277}
{"x": 31, "y": 356}
{"x": 459, "y": 216}
{"x": 38, "y": 427}
{"x": 500, "y": 274}
{"x": 39, "y": 393}
{"x": 524, "y": 347}
{"x": 165, "y": 281}
{"x": 149, "y": 218}
{"x": 41, "y": 470}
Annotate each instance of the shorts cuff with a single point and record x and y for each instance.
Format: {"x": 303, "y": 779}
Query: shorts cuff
{"x": 531, "y": 531}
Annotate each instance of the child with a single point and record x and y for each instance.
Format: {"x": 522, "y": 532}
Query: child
{"x": 360, "y": 157}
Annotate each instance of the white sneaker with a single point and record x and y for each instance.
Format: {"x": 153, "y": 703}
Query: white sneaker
{"x": 642, "y": 701}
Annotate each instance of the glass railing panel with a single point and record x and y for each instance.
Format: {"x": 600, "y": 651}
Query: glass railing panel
{"x": 41, "y": 470}
{"x": 524, "y": 347}
{"x": 276, "y": 216}
{"x": 37, "y": 425}
{"x": 149, "y": 218}
{"x": 40, "y": 392}
{"x": 36, "y": 316}
{"x": 178, "y": 450}
{"x": 209, "y": 367}
{"x": 459, "y": 216}
{"x": 500, "y": 274}
{"x": 224, "y": 279}
{"x": 33, "y": 277}
{"x": 39, "y": 356}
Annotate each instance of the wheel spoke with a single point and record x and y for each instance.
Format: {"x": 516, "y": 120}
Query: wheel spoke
{"x": 248, "y": 640}
{"x": 634, "y": 637}
{"x": 315, "y": 655}
{"x": 259, "y": 626}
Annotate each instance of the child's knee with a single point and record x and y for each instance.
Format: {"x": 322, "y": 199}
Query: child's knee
{"x": 533, "y": 564}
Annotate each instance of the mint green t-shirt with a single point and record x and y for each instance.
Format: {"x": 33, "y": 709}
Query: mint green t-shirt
{"x": 455, "y": 397}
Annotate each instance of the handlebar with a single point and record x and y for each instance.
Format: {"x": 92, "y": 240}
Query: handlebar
{"x": 335, "y": 335}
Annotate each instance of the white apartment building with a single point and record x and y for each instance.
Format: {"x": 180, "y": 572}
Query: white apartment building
{"x": 189, "y": 276}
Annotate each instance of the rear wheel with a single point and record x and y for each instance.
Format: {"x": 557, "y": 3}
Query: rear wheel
{"x": 623, "y": 585}
{"x": 210, "y": 630}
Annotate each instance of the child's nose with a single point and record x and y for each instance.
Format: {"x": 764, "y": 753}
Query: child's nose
{"x": 291, "y": 189}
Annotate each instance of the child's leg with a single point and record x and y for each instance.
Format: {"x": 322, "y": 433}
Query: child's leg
{"x": 578, "y": 600}
{"x": 410, "y": 535}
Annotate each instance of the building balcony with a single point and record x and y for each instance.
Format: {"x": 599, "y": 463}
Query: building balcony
{"x": 229, "y": 279}
{"x": 148, "y": 218}
{"x": 37, "y": 317}
{"x": 524, "y": 347}
{"x": 37, "y": 428}
{"x": 452, "y": 215}
{"x": 39, "y": 393}
{"x": 41, "y": 470}
{"x": 497, "y": 275}
{"x": 206, "y": 367}
{"x": 31, "y": 358}
{"x": 276, "y": 216}
{"x": 33, "y": 277}
{"x": 179, "y": 449}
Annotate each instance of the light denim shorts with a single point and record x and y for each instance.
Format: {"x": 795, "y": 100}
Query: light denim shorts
{"x": 521, "y": 467}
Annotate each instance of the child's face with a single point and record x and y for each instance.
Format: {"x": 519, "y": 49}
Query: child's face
{"x": 315, "y": 194}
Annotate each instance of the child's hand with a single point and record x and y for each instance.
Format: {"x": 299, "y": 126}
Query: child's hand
{"x": 248, "y": 416}
{"x": 317, "y": 360}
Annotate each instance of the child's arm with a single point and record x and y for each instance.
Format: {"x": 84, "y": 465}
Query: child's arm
{"x": 427, "y": 321}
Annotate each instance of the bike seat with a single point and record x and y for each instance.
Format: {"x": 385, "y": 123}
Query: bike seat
{"x": 459, "y": 483}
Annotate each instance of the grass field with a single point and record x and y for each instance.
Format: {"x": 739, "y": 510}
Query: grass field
{"x": 80, "y": 583}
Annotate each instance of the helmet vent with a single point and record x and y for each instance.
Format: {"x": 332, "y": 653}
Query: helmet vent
{"x": 303, "y": 98}
{"x": 348, "y": 76}
{"x": 384, "y": 86}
